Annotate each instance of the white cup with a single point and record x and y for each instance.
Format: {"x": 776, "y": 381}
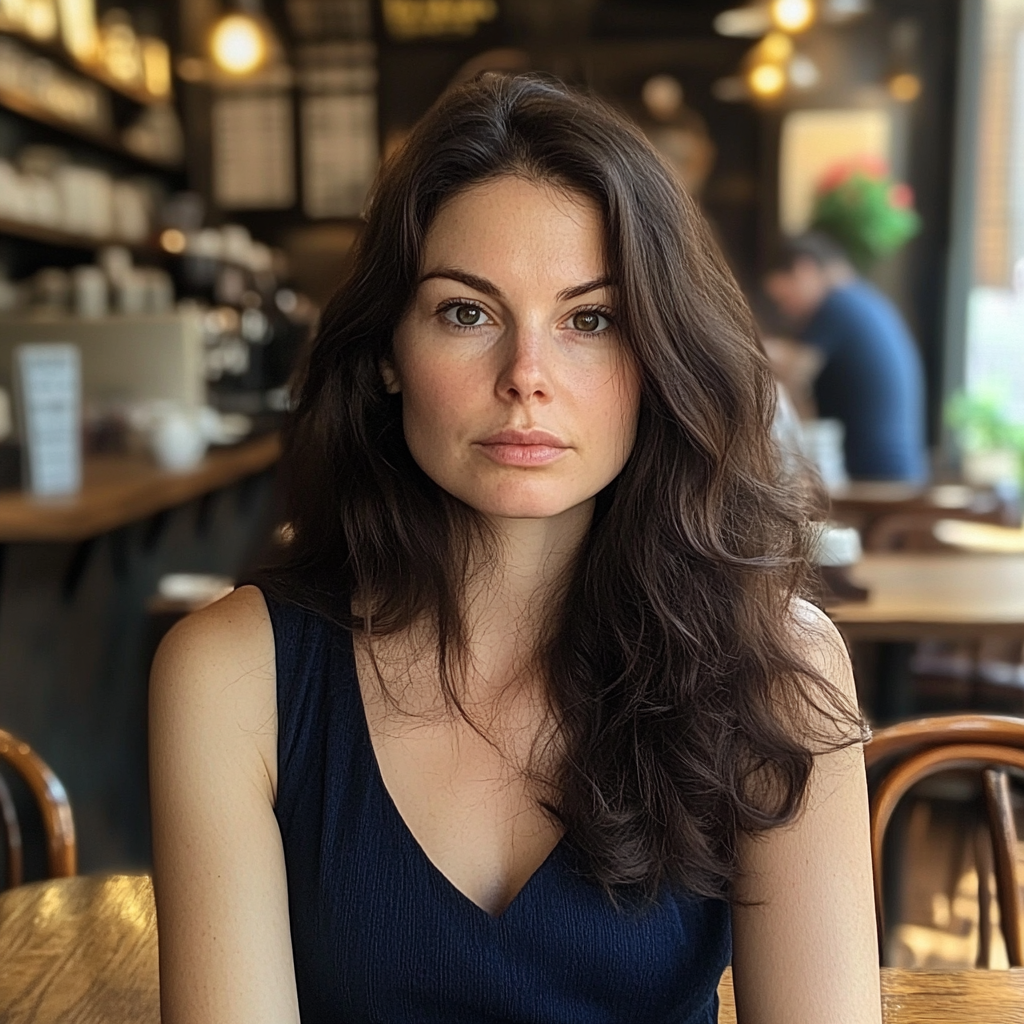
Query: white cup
{"x": 835, "y": 545}
{"x": 177, "y": 440}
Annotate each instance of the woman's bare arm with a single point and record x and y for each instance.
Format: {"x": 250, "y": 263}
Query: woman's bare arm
{"x": 219, "y": 875}
{"x": 809, "y": 953}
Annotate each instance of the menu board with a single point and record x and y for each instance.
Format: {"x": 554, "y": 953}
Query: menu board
{"x": 339, "y": 152}
{"x": 253, "y": 150}
{"x": 339, "y": 127}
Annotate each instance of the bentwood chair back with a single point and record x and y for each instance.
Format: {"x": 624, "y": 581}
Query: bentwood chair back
{"x": 54, "y": 809}
{"x": 915, "y": 750}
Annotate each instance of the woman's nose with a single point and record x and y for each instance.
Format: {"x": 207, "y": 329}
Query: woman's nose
{"x": 525, "y": 374}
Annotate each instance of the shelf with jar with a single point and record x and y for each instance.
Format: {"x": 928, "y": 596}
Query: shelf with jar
{"x": 40, "y": 233}
{"x": 107, "y": 50}
{"x": 39, "y": 84}
{"x": 51, "y": 198}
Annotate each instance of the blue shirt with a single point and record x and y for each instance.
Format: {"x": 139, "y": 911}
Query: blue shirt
{"x": 872, "y": 381}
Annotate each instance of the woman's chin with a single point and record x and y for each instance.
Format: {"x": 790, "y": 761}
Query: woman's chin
{"x": 523, "y": 506}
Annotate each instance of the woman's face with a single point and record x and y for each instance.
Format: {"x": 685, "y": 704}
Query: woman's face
{"x": 518, "y": 397}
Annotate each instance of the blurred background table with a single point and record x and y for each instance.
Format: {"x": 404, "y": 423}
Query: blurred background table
{"x": 864, "y": 503}
{"x": 924, "y": 594}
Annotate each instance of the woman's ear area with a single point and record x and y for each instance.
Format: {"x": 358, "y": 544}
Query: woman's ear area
{"x": 390, "y": 375}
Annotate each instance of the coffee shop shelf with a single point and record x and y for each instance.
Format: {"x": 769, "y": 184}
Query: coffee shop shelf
{"x": 121, "y": 489}
{"x": 65, "y": 239}
{"x": 23, "y": 106}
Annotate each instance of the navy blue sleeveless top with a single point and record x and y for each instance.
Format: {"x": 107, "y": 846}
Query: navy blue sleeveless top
{"x": 379, "y": 934}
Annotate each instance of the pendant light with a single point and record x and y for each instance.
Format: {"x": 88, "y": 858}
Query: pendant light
{"x": 242, "y": 41}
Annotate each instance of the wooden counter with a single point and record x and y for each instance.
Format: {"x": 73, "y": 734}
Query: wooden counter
{"x": 121, "y": 489}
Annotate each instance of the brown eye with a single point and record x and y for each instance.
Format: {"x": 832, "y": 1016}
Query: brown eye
{"x": 589, "y": 321}
{"x": 465, "y": 315}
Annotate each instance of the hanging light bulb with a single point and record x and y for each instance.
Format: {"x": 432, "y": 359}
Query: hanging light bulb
{"x": 766, "y": 81}
{"x": 792, "y": 15}
{"x": 775, "y": 48}
{"x": 905, "y": 87}
{"x": 238, "y": 44}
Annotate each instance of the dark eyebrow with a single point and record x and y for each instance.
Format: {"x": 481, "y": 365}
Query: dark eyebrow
{"x": 481, "y": 284}
{"x": 582, "y": 289}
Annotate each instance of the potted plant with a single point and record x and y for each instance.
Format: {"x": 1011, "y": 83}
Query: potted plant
{"x": 992, "y": 445}
{"x": 865, "y": 209}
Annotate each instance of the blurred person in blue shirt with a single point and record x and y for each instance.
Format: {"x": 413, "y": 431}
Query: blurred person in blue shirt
{"x": 872, "y": 379}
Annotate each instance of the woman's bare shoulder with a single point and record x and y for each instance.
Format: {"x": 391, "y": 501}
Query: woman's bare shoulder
{"x": 819, "y": 642}
{"x": 233, "y": 624}
{"x": 214, "y": 680}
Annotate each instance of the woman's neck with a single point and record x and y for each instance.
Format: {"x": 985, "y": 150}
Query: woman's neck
{"x": 508, "y": 597}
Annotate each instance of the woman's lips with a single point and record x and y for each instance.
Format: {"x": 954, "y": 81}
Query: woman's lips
{"x": 523, "y": 447}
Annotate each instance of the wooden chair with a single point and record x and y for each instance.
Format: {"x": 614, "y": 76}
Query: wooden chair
{"x": 915, "y": 750}
{"x": 54, "y": 808}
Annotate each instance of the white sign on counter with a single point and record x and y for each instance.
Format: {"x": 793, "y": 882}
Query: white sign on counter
{"x": 49, "y": 380}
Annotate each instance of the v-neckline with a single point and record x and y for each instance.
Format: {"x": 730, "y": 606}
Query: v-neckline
{"x": 403, "y": 826}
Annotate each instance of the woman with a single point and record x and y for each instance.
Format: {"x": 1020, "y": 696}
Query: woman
{"x": 530, "y": 723}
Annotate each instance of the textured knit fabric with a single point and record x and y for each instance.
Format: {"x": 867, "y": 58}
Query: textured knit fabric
{"x": 379, "y": 934}
{"x": 872, "y": 381}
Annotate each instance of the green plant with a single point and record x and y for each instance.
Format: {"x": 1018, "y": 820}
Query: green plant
{"x": 860, "y": 205}
{"x": 981, "y": 423}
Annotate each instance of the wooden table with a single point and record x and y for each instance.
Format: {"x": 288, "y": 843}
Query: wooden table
{"x": 932, "y": 997}
{"x": 84, "y": 951}
{"x": 79, "y": 951}
{"x": 929, "y": 594}
{"x": 120, "y": 489}
{"x": 862, "y": 503}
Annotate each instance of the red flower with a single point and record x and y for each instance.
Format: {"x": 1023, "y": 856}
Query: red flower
{"x": 873, "y": 166}
{"x": 901, "y": 196}
{"x": 867, "y": 165}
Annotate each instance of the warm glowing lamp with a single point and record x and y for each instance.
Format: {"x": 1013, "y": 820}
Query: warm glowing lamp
{"x": 173, "y": 240}
{"x": 238, "y": 44}
{"x": 775, "y": 48}
{"x": 905, "y": 87}
{"x": 766, "y": 81}
{"x": 792, "y": 15}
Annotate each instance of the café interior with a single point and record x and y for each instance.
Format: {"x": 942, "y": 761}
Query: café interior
{"x": 151, "y": 323}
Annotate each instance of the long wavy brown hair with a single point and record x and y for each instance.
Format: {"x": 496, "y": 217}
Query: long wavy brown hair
{"x": 681, "y": 705}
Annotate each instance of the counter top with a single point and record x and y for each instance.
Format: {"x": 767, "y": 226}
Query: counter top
{"x": 120, "y": 489}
